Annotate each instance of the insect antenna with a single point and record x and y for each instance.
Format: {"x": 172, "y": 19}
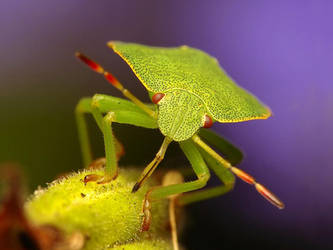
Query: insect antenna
{"x": 113, "y": 81}
{"x": 265, "y": 192}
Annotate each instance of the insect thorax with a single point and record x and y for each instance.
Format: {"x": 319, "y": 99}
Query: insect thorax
{"x": 181, "y": 114}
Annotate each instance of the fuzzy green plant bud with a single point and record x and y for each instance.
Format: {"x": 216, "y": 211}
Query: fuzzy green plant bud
{"x": 108, "y": 215}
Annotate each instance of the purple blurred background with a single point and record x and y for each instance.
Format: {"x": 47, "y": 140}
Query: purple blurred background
{"x": 282, "y": 51}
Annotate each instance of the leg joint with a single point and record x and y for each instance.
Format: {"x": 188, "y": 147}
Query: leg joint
{"x": 78, "y": 108}
{"x": 159, "y": 157}
{"x": 230, "y": 184}
{"x": 109, "y": 117}
{"x": 96, "y": 100}
{"x": 204, "y": 178}
{"x": 83, "y": 105}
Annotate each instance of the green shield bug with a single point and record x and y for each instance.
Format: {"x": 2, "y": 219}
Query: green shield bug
{"x": 189, "y": 91}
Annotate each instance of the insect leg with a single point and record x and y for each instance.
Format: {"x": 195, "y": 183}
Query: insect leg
{"x": 147, "y": 172}
{"x": 227, "y": 178}
{"x": 268, "y": 195}
{"x": 111, "y": 166}
{"x": 81, "y": 108}
{"x": 116, "y": 110}
{"x": 200, "y": 169}
{"x": 234, "y": 156}
{"x": 114, "y": 82}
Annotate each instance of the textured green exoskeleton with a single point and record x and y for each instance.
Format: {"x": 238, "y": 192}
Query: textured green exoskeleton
{"x": 190, "y": 91}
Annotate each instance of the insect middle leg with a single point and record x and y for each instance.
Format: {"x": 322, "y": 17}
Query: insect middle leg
{"x": 106, "y": 110}
{"x": 233, "y": 154}
{"x": 201, "y": 170}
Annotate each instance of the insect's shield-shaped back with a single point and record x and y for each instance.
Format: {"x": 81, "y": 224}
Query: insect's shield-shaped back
{"x": 162, "y": 69}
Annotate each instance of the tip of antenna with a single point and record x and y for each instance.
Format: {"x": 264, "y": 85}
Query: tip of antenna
{"x": 90, "y": 63}
{"x": 268, "y": 195}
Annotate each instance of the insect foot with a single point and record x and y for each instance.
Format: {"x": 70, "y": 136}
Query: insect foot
{"x": 99, "y": 179}
{"x": 170, "y": 178}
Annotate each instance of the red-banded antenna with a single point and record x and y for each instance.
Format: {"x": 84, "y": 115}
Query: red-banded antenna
{"x": 265, "y": 192}
{"x": 268, "y": 195}
{"x": 113, "y": 81}
{"x": 99, "y": 69}
{"x": 90, "y": 63}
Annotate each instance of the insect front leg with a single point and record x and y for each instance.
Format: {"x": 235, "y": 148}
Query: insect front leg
{"x": 83, "y": 108}
{"x": 148, "y": 171}
{"x": 201, "y": 170}
{"x": 106, "y": 110}
{"x": 111, "y": 165}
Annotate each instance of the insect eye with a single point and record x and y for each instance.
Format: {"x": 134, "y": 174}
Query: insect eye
{"x": 157, "y": 97}
{"x": 208, "y": 122}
